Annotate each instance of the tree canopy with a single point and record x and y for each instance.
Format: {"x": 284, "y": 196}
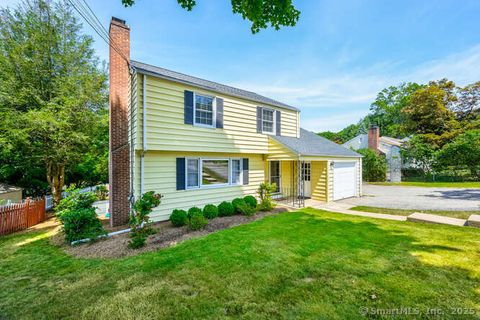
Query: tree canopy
{"x": 261, "y": 13}
{"x": 53, "y": 94}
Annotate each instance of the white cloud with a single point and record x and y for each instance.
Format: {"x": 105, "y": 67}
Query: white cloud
{"x": 357, "y": 89}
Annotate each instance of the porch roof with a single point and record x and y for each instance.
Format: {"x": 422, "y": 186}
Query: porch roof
{"x": 311, "y": 144}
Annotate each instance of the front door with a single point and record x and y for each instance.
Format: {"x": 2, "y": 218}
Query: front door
{"x": 306, "y": 173}
{"x": 275, "y": 174}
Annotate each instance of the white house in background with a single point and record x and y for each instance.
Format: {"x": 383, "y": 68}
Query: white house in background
{"x": 388, "y": 146}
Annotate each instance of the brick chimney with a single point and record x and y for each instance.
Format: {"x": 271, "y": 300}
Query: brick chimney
{"x": 373, "y": 137}
{"x": 119, "y": 149}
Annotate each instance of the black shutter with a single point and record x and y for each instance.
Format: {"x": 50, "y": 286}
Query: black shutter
{"x": 188, "y": 107}
{"x": 219, "y": 114}
{"x": 259, "y": 119}
{"x": 245, "y": 170}
{"x": 278, "y": 123}
{"x": 180, "y": 173}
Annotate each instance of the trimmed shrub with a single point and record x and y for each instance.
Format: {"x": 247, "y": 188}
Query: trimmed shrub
{"x": 197, "y": 221}
{"x": 251, "y": 201}
{"x": 210, "y": 211}
{"x": 225, "y": 209}
{"x": 179, "y": 218}
{"x": 245, "y": 209}
{"x": 81, "y": 224}
{"x": 192, "y": 211}
{"x": 238, "y": 202}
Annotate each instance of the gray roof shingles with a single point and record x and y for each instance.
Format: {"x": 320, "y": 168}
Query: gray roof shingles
{"x": 311, "y": 144}
{"x": 207, "y": 85}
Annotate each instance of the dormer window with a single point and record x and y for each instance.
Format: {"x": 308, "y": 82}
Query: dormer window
{"x": 268, "y": 121}
{"x": 204, "y": 110}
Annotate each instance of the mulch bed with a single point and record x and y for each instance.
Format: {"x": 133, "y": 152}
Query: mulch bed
{"x": 166, "y": 236}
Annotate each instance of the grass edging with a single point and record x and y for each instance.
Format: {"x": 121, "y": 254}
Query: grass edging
{"x": 407, "y": 212}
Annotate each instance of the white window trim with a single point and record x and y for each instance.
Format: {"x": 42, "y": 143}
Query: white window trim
{"x": 214, "y": 111}
{"x": 200, "y": 169}
{"x": 186, "y": 174}
{"x": 274, "y": 127}
{"x": 230, "y": 178}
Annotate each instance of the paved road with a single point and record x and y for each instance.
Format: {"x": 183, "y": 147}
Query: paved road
{"x": 417, "y": 198}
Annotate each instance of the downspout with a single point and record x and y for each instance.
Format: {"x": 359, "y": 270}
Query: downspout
{"x": 144, "y": 135}
{"x": 133, "y": 78}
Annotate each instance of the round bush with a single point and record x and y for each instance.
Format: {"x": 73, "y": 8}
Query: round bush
{"x": 237, "y": 203}
{"x": 210, "y": 211}
{"x": 225, "y": 209}
{"x": 81, "y": 224}
{"x": 179, "y": 218}
{"x": 251, "y": 201}
{"x": 197, "y": 221}
{"x": 192, "y": 211}
{"x": 245, "y": 209}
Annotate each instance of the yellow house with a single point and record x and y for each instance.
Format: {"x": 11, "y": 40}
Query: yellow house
{"x": 198, "y": 142}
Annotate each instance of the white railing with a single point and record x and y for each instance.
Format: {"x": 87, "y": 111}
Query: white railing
{"x": 49, "y": 199}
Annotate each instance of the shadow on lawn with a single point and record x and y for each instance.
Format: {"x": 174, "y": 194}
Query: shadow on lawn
{"x": 289, "y": 265}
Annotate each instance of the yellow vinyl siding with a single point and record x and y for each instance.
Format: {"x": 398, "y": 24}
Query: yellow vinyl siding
{"x": 166, "y": 130}
{"x": 160, "y": 176}
{"x": 277, "y": 151}
{"x": 319, "y": 180}
{"x": 286, "y": 175}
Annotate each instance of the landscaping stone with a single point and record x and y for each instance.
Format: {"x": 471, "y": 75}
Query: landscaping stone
{"x": 474, "y": 221}
{"x": 432, "y": 218}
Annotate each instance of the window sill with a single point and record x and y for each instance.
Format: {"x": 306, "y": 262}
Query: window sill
{"x": 213, "y": 126}
{"x": 213, "y": 186}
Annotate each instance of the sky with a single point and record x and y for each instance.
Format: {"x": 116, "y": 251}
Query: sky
{"x": 331, "y": 65}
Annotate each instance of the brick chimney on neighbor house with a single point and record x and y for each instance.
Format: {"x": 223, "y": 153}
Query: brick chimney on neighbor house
{"x": 373, "y": 137}
{"x": 119, "y": 149}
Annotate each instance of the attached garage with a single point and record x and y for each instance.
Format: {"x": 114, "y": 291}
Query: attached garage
{"x": 345, "y": 183}
{"x": 320, "y": 169}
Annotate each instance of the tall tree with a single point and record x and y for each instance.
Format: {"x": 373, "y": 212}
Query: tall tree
{"x": 464, "y": 151}
{"x": 428, "y": 111}
{"x": 52, "y": 91}
{"x": 386, "y": 110}
{"x": 468, "y": 106}
{"x": 260, "y": 13}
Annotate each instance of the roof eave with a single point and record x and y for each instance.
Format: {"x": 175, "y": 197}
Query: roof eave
{"x": 154, "y": 74}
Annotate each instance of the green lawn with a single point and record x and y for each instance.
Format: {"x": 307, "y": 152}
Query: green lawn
{"x": 306, "y": 264}
{"x": 406, "y": 212}
{"x": 470, "y": 184}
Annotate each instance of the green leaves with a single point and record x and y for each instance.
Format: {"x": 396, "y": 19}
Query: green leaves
{"x": 53, "y": 93}
{"x": 374, "y": 167}
{"x": 262, "y": 13}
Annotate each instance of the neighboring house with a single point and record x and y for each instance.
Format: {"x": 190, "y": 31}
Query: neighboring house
{"x": 10, "y": 194}
{"x": 198, "y": 142}
{"x": 388, "y": 146}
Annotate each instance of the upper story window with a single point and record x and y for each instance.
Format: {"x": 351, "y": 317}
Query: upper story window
{"x": 268, "y": 121}
{"x": 204, "y": 110}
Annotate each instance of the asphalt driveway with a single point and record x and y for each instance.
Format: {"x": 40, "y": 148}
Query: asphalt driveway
{"x": 417, "y": 198}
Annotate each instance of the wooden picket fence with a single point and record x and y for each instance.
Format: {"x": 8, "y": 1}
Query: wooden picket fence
{"x": 20, "y": 216}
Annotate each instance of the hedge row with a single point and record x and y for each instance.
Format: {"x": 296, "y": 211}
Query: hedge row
{"x": 197, "y": 219}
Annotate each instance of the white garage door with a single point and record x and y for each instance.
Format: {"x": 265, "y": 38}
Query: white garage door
{"x": 344, "y": 180}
